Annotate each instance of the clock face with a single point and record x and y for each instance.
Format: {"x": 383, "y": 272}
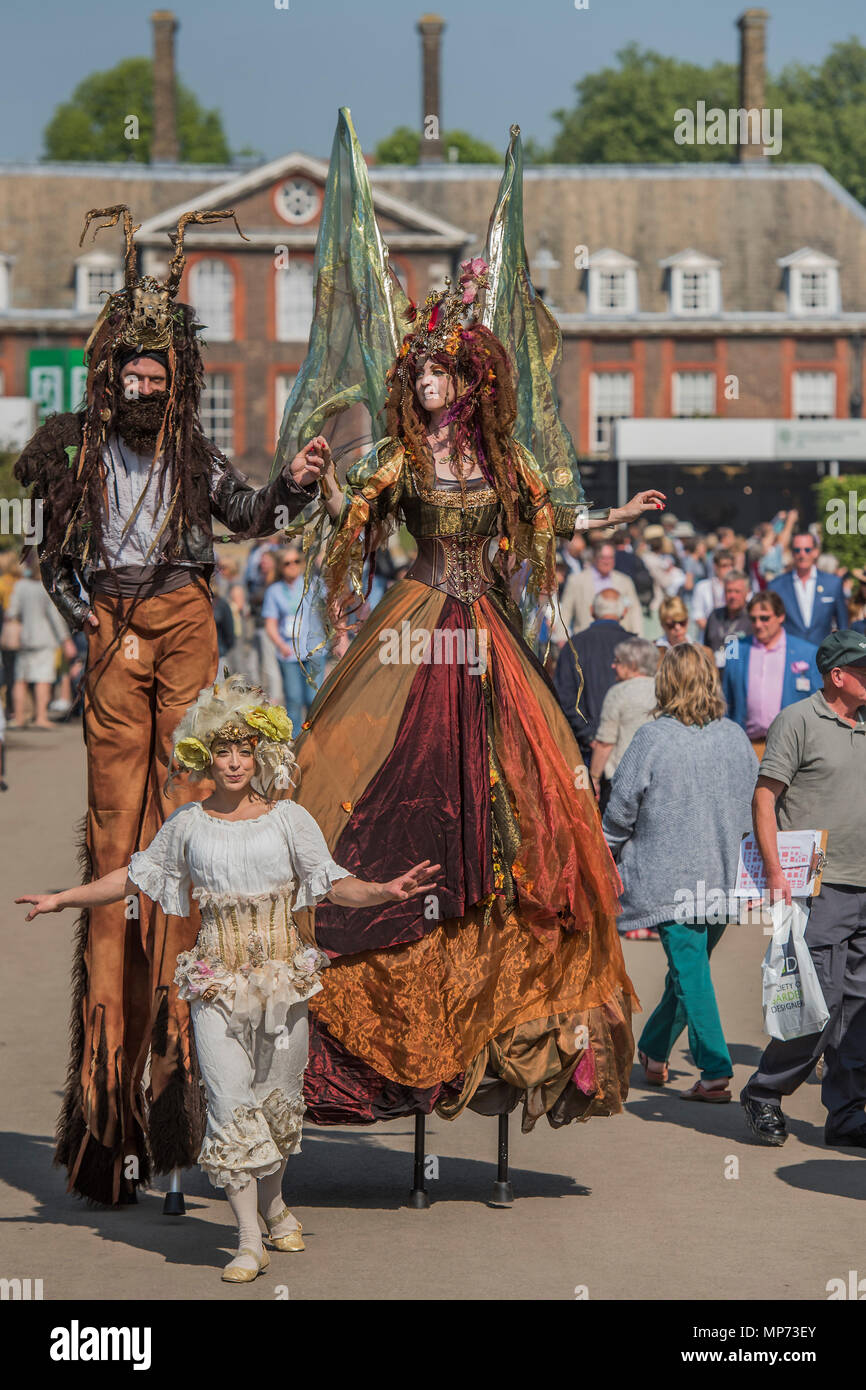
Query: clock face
{"x": 297, "y": 200}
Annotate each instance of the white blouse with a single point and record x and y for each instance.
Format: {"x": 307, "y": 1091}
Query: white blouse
{"x": 238, "y": 859}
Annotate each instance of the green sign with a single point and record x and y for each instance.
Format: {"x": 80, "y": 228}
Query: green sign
{"x": 56, "y": 379}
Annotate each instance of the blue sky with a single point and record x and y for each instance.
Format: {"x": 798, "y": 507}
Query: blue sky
{"x": 278, "y": 76}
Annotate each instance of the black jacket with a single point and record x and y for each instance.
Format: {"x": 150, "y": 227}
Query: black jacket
{"x": 595, "y": 648}
{"x": 233, "y": 502}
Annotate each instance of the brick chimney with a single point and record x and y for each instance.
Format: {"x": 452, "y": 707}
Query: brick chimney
{"x": 430, "y": 28}
{"x": 752, "y": 25}
{"x": 164, "y": 149}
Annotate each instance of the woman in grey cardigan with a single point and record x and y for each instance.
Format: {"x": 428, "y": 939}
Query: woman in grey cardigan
{"x": 679, "y": 805}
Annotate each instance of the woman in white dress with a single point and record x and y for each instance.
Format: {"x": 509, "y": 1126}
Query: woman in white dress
{"x": 250, "y": 861}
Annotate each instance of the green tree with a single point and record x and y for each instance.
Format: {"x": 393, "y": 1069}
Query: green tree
{"x": 403, "y": 146}
{"x": 840, "y": 520}
{"x": 824, "y": 114}
{"x": 93, "y": 124}
{"x": 625, "y": 114}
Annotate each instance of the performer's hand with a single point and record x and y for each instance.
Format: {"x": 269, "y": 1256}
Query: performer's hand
{"x": 43, "y": 902}
{"x": 312, "y": 461}
{"x": 649, "y": 501}
{"x": 418, "y": 880}
{"x": 91, "y": 622}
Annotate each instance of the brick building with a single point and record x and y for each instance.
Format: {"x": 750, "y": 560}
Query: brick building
{"x": 729, "y": 291}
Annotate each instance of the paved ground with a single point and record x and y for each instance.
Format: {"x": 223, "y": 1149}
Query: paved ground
{"x": 642, "y": 1206}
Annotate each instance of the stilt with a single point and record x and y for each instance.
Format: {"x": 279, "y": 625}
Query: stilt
{"x": 418, "y": 1196}
{"x": 503, "y": 1192}
{"x": 174, "y": 1204}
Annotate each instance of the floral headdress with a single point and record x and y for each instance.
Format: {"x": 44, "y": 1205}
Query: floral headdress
{"x": 440, "y": 325}
{"x": 236, "y": 711}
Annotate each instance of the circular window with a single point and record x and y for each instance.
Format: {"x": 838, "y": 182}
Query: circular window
{"x": 297, "y": 200}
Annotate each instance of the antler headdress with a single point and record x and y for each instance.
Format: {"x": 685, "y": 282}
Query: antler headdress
{"x": 146, "y": 303}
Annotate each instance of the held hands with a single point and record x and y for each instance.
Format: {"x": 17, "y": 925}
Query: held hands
{"x": 648, "y": 501}
{"x": 42, "y": 902}
{"x": 418, "y": 880}
{"x": 312, "y": 463}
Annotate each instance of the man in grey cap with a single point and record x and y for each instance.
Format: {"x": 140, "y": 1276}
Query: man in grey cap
{"x": 813, "y": 777}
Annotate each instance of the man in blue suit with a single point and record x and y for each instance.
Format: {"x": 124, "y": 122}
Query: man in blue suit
{"x": 814, "y": 601}
{"x": 768, "y": 671}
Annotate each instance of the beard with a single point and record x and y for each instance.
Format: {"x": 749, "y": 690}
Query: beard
{"x": 138, "y": 422}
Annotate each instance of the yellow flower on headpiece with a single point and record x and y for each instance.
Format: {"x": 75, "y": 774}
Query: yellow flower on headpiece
{"x": 193, "y": 754}
{"x": 272, "y": 721}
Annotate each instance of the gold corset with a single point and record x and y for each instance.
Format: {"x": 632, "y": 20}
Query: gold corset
{"x": 247, "y": 931}
{"x": 442, "y": 511}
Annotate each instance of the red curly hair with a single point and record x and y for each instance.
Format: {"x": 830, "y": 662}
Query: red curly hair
{"x": 483, "y": 411}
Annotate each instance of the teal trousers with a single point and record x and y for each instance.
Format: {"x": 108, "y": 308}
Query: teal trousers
{"x": 689, "y": 1001}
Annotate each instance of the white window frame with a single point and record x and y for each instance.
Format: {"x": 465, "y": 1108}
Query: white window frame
{"x": 293, "y": 320}
{"x": 686, "y": 389}
{"x": 283, "y": 383}
{"x": 706, "y": 273}
{"x": 6, "y": 264}
{"x": 608, "y": 265}
{"x": 813, "y": 395}
{"x": 807, "y": 267}
{"x": 212, "y": 295}
{"x": 605, "y": 408}
{"x": 96, "y": 265}
{"x": 217, "y": 409}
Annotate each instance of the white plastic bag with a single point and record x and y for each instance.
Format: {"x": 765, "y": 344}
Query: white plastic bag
{"x": 793, "y": 1002}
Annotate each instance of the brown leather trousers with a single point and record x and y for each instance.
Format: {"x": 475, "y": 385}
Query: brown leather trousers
{"x": 146, "y": 664}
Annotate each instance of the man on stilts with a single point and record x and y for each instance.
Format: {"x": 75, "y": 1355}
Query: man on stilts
{"x": 129, "y": 484}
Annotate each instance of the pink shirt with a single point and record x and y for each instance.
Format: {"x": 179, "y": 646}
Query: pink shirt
{"x": 766, "y": 678}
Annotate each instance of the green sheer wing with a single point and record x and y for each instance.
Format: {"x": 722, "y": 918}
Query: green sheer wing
{"x": 356, "y": 331}
{"x": 524, "y": 324}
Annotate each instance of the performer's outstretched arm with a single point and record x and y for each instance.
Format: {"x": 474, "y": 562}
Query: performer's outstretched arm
{"x": 113, "y": 888}
{"x": 256, "y": 511}
{"x": 649, "y": 501}
{"x": 358, "y": 892}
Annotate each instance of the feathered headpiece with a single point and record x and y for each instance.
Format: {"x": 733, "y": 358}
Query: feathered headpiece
{"x": 236, "y": 711}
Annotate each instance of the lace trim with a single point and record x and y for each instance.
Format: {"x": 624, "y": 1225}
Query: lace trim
{"x": 160, "y": 885}
{"x": 254, "y": 993}
{"x": 286, "y": 1120}
{"x": 318, "y": 884}
{"x": 205, "y": 898}
{"x": 244, "y": 1150}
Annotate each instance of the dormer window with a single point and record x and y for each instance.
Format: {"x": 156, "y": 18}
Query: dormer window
{"x": 812, "y": 282}
{"x": 97, "y": 275}
{"x": 611, "y": 283}
{"x": 694, "y": 284}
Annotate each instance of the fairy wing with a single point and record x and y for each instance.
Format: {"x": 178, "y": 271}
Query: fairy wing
{"x": 356, "y": 333}
{"x": 524, "y": 324}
